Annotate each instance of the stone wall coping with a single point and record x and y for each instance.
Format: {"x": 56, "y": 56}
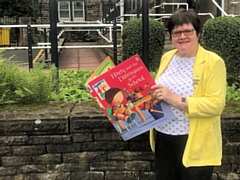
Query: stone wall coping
{"x": 63, "y": 110}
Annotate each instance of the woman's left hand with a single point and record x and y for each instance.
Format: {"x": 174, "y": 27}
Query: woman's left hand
{"x": 162, "y": 93}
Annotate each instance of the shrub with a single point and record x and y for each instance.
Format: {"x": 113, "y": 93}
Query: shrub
{"x": 24, "y": 87}
{"x": 132, "y": 40}
{"x": 233, "y": 93}
{"x": 40, "y": 84}
{"x": 222, "y": 36}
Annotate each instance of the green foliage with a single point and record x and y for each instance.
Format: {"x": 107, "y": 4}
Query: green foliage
{"x": 132, "y": 40}
{"x": 24, "y": 87}
{"x": 72, "y": 86}
{"x": 153, "y": 74}
{"x": 233, "y": 93}
{"x": 20, "y": 8}
{"x": 221, "y": 35}
{"x": 39, "y": 85}
{"x": 90, "y": 38}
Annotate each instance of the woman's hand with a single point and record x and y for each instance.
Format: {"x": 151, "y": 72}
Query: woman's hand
{"x": 162, "y": 93}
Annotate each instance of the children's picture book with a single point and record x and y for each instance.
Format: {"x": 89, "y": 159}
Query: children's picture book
{"x": 125, "y": 95}
{"x": 104, "y": 66}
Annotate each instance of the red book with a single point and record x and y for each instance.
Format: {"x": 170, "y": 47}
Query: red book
{"x": 125, "y": 95}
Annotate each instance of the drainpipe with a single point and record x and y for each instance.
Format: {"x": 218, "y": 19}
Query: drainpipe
{"x": 121, "y": 5}
{"x": 222, "y": 6}
{"x": 196, "y": 5}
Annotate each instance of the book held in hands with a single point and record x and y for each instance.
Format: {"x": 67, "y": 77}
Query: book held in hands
{"x": 125, "y": 95}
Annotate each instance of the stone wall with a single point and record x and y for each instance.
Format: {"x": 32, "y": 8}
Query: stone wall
{"x": 76, "y": 142}
{"x": 232, "y": 7}
{"x": 93, "y": 9}
{"x": 44, "y": 14}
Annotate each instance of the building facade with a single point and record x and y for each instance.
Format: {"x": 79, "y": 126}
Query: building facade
{"x": 98, "y": 10}
{"x": 75, "y": 10}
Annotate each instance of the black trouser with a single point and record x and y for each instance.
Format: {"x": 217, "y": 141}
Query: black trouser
{"x": 168, "y": 160}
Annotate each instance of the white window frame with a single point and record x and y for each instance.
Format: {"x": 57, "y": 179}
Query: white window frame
{"x": 62, "y": 10}
{"x": 80, "y": 9}
{"x": 133, "y": 4}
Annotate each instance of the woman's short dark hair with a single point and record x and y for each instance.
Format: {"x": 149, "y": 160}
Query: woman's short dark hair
{"x": 183, "y": 16}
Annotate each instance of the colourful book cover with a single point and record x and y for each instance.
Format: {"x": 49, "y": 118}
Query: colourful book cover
{"x": 105, "y": 65}
{"x": 125, "y": 95}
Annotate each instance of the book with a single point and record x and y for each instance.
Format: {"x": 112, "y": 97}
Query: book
{"x": 103, "y": 67}
{"x": 125, "y": 95}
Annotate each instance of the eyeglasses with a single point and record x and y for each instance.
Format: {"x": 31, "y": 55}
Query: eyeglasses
{"x": 187, "y": 32}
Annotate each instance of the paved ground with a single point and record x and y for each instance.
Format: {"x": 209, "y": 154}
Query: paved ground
{"x": 69, "y": 59}
{"x": 19, "y": 56}
{"x": 80, "y": 58}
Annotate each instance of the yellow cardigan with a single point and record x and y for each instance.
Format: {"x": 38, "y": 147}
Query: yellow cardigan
{"x": 204, "y": 144}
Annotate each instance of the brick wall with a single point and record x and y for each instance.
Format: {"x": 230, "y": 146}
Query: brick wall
{"x": 75, "y": 143}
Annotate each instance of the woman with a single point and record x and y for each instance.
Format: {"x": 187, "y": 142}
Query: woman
{"x": 192, "y": 81}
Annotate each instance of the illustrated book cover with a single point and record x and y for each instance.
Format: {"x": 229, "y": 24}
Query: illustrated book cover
{"x": 104, "y": 66}
{"x": 125, "y": 95}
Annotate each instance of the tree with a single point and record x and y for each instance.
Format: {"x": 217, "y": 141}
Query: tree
{"x": 20, "y": 8}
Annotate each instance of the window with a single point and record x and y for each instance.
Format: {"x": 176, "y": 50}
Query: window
{"x": 71, "y": 12}
{"x": 133, "y": 4}
{"x": 64, "y": 10}
{"x": 78, "y": 10}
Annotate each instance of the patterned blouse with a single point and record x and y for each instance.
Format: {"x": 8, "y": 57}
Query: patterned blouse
{"x": 178, "y": 78}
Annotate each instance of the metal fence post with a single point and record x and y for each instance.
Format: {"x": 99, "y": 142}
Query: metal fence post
{"x": 45, "y": 41}
{"x": 138, "y": 8}
{"x": 196, "y": 6}
{"x": 145, "y": 32}
{"x": 29, "y": 34}
{"x": 115, "y": 33}
{"x": 53, "y": 38}
{"x": 53, "y": 32}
